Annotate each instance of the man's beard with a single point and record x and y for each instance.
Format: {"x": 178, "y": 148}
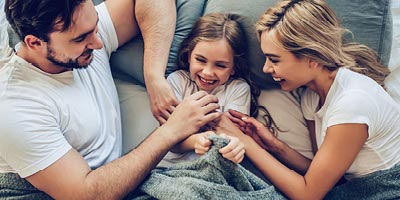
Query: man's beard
{"x": 70, "y": 64}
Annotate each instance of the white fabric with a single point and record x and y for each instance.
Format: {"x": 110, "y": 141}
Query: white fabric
{"x": 392, "y": 82}
{"x": 235, "y": 94}
{"x": 355, "y": 98}
{"x": 47, "y": 114}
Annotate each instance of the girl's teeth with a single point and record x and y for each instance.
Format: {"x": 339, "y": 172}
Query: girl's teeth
{"x": 277, "y": 79}
{"x": 209, "y": 82}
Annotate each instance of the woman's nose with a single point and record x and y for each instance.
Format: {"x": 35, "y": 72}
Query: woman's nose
{"x": 268, "y": 67}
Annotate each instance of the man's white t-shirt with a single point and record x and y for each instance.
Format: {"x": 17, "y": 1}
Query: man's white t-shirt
{"x": 355, "y": 98}
{"x": 234, "y": 94}
{"x": 45, "y": 115}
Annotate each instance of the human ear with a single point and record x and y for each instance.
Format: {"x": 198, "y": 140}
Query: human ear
{"x": 33, "y": 42}
{"x": 233, "y": 72}
{"x": 313, "y": 64}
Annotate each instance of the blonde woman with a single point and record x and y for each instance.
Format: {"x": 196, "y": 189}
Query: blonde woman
{"x": 354, "y": 124}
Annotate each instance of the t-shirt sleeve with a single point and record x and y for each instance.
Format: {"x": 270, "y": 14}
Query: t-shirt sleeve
{"x": 309, "y": 104}
{"x": 30, "y": 139}
{"x": 177, "y": 80}
{"x": 106, "y": 30}
{"x": 353, "y": 107}
{"x": 239, "y": 97}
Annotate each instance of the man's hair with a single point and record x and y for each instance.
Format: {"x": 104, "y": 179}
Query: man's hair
{"x": 40, "y": 17}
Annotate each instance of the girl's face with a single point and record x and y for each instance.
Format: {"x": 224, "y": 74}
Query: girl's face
{"x": 286, "y": 69}
{"x": 211, "y": 64}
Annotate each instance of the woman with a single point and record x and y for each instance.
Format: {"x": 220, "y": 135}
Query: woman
{"x": 354, "y": 124}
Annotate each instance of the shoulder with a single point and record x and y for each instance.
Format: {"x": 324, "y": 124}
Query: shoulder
{"x": 239, "y": 83}
{"x": 179, "y": 76}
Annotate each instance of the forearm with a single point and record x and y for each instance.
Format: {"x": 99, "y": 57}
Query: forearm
{"x": 185, "y": 146}
{"x": 286, "y": 180}
{"x": 156, "y": 20}
{"x": 116, "y": 179}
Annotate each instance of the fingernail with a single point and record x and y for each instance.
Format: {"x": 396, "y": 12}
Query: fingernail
{"x": 244, "y": 118}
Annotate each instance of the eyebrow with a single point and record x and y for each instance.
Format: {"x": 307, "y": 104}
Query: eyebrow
{"x": 218, "y": 61}
{"x": 86, "y": 33}
{"x": 271, "y": 55}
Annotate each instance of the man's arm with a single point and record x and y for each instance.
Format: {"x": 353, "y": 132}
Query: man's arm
{"x": 71, "y": 178}
{"x": 157, "y": 20}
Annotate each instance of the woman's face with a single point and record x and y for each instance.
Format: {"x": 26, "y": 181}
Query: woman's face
{"x": 211, "y": 64}
{"x": 286, "y": 69}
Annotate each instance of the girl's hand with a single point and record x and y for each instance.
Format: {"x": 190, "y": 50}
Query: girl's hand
{"x": 234, "y": 151}
{"x": 202, "y": 144}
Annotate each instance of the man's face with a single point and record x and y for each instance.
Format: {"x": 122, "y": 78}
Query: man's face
{"x": 74, "y": 47}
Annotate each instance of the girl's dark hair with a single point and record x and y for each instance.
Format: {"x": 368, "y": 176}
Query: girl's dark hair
{"x": 40, "y": 17}
{"x": 217, "y": 26}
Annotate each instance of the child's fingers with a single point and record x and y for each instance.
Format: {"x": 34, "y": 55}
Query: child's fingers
{"x": 200, "y": 151}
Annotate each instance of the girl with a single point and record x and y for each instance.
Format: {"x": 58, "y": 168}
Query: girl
{"x": 353, "y": 122}
{"x": 212, "y": 58}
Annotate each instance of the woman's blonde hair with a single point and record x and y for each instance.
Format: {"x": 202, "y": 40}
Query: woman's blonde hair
{"x": 310, "y": 28}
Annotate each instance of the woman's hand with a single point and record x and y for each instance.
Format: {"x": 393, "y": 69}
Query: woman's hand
{"x": 253, "y": 128}
{"x": 234, "y": 151}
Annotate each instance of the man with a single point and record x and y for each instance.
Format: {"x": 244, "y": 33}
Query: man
{"x": 59, "y": 110}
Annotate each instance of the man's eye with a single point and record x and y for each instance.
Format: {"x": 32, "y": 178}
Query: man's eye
{"x": 80, "y": 39}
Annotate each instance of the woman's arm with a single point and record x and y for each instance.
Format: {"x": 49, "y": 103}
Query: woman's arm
{"x": 340, "y": 147}
{"x": 265, "y": 139}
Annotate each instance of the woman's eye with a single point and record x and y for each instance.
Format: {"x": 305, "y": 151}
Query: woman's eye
{"x": 272, "y": 60}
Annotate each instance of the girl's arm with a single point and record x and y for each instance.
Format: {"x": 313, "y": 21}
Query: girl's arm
{"x": 198, "y": 142}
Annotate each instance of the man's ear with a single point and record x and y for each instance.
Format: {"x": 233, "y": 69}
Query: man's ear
{"x": 33, "y": 42}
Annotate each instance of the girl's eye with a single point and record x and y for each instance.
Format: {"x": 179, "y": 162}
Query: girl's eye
{"x": 220, "y": 66}
{"x": 201, "y": 60}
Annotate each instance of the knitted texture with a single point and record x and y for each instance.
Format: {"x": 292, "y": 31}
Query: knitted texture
{"x": 209, "y": 177}
{"x": 13, "y": 187}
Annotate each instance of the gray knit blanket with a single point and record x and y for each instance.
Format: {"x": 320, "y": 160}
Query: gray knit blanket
{"x": 209, "y": 177}
{"x": 213, "y": 177}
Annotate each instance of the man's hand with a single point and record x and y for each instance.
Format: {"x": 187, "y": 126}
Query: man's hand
{"x": 162, "y": 99}
{"x": 192, "y": 113}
